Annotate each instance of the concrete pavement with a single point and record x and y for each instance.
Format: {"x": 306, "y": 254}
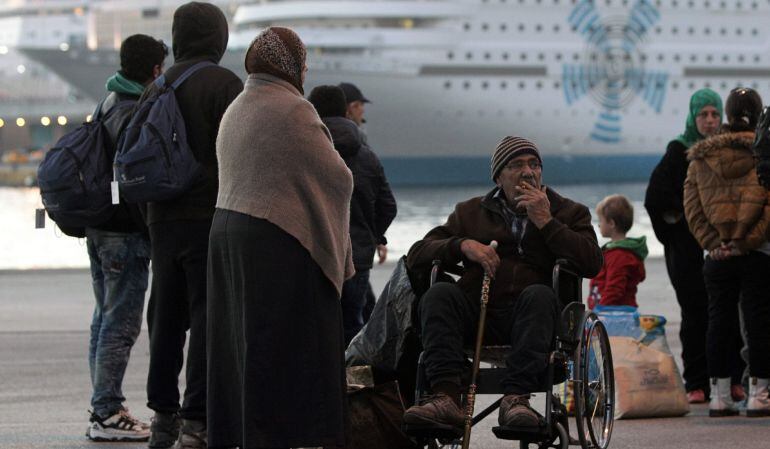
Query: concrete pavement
{"x": 45, "y": 390}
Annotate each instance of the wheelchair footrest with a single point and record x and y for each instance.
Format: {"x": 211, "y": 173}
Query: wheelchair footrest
{"x": 437, "y": 431}
{"x": 527, "y": 434}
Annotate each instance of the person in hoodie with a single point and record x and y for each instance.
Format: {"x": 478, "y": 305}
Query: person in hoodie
{"x": 372, "y": 207}
{"x": 179, "y": 232}
{"x": 119, "y": 253}
{"x": 728, "y": 212}
{"x": 623, "y": 268}
{"x": 279, "y": 254}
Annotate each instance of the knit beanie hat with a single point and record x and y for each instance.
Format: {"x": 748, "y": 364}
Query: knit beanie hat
{"x": 509, "y": 148}
{"x": 279, "y": 52}
{"x": 329, "y": 101}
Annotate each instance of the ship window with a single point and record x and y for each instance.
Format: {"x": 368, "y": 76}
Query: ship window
{"x": 725, "y": 58}
{"x": 540, "y": 56}
{"x": 503, "y": 85}
{"x": 722, "y": 31}
{"x": 675, "y": 85}
{"x": 709, "y": 58}
{"x": 708, "y": 85}
{"x": 643, "y": 57}
{"x": 485, "y": 85}
{"x": 741, "y": 58}
{"x": 556, "y": 85}
{"x": 658, "y": 30}
{"x": 707, "y": 31}
{"x": 756, "y": 58}
{"x": 466, "y": 85}
{"x": 691, "y": 30}
{"x": 522, "y": 27}
{"x": 707, "y": 4}
{"x": 450, "y": 55}
{"x": 485, "y": 26}
{"x": 447, "y": 85}
{"x": 624, "y": 3}
{"x": 674, "y": 3}
{"x": 558, "y": 56}
{"x": 690, "y": 3}
{"x": 738, "y": 31}
{"x": 506, "y": 56}
{"x": 522, "y": 85}
{"x": 661, "y": 57}
{"x": 723, "y": 85}
{"x": 677, "y": 57}
{"x": 151, "y": 13}
{"x": 723, "y": 5}
{"x": 467, "y": 26}
{"x": 657, "y": 3}
{"x": 575, "y": 56}
{"x": 739, "y": 5}
{"x": 556, "y": 28}
{"x": 538, "y": 28}
{"x": 469, "y": 55}
{"x": 503, "y": 27}
{"x": 674, "y": 30}
{"x": 754, "y": 31}
{"x": 523, "y": 56}
{"x": 691, "y": 85}
{"x": 487, "y": 55}
{"x": 539, "y": 85}
{"x": 693, "y": 58}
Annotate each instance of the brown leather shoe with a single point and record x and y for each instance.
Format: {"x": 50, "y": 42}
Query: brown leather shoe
{"x": 438, "y": 409}
{"x": 516, "y": 412}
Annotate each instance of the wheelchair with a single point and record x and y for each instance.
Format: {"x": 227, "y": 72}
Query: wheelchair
{"x": 581, "y": 357}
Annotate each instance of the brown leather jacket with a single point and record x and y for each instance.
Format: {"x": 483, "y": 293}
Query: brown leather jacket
{"x": 569, "y": 235}
{"x": 723, "y": 200}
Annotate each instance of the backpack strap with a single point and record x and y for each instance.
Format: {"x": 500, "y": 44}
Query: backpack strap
{"x": 161, "y": 80}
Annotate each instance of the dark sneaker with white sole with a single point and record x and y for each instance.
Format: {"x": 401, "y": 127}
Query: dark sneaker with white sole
{"x": 119, "y": 427}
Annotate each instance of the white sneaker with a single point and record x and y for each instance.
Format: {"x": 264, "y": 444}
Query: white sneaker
{"x": 759, "y": 398}
{"x": 721, "y": 403}
{"x": 119, "y": 427}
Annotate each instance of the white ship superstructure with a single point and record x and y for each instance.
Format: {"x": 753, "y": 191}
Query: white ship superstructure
{"x": 595, "y": 83}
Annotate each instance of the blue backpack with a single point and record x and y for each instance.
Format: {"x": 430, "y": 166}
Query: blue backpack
{"x": 74, "y": 177}
{"x": 154, "y": 161}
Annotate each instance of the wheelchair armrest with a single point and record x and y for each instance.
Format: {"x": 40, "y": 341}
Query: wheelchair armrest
{"x": 439, "y": 271}
{"x": 566, "y": 283}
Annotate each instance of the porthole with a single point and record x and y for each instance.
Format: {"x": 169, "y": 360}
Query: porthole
{"x": 741, "y": 58}
{"x": 503, "y": 85}
{"x": 487, "y": 55}
{"x": 484, "y": 26}
{"x": 677, "y": 58}
{"x": 469, "y": 55}
{"x": 539, "y": 85}
{"x": 693, "y": 58}
{"x": 538, "y": 28}
{"x": 467, "y": 26}
{"x": 503, "y": 27}
{"x": 556, "y": 28}
{"x": 690, "y": 30}
{"x": 756, "y": 58}
{"x": 709, "y": 58}
{"x": 558, "y": 56}
{"x": 754, "y": 32}
{"x": 522, "y": 85}
{"x": 661, "y": 57}
{"x": 556, "y": 85}
{"x": 707, "y": 31}
{"x": 450, "y": 55}
{"x": 674, "y": 30}
{"x": 466, "y": 85}
{"x": 522, "y": 27}
{"x": 691, "y": 85}
{"x": 447, "y": 85}
{"x": 723, "y": 85}
{"x": 658, "y": 30}
{"x": 675, "y": 85}
{"x": 485, "y": 85}
{"x": 523, "y": 56}
{"x": 506, "y": 56}
{"x": 575, "y": 56}
{"x": 739, "y": 31}
{"x": 723, "y": 31}
{"x": 540, "y": 57}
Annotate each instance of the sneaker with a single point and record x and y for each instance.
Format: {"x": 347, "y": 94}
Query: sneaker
{"x": 696, "y": 397}
{"x": 119, "y": 427}
{"x": 437, "y": 410}
{"x": 737, "y": 392}
{"x": 516, "y": 412}
{"x": 164, "y": 430}
{"x": 192, "y": 435}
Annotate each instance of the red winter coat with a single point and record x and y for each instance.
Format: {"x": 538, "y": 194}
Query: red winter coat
{"x": 615, "y": 285}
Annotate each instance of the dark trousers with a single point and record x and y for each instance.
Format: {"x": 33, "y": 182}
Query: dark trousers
{"x": 745, "y": 278}
{"x": 371, "y": 300}
{"x": 684, "y": 262}
{"x": 449, "y": 321}
{"x": 353, "y": 301}
{"x": 178, "y": 303}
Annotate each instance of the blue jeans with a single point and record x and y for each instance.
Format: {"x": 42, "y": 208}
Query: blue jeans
{"x": 119, "y": 272}
{"x": 353, "y": 301}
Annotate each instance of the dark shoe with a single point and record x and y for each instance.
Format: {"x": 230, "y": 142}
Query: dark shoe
{"x": 164, "y": 430}
{"x": 438, "y": 409}
{"x": 516, "y": 412}
{"x": 192, "y": 435}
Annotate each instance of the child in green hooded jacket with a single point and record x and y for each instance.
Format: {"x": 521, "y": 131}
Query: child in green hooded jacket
{"x": 623, "y": 268}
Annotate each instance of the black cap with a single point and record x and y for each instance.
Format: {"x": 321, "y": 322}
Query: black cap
{"x": 352, "y": 93}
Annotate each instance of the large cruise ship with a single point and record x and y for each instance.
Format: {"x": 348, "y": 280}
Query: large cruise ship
{"x": 600, "y": 86}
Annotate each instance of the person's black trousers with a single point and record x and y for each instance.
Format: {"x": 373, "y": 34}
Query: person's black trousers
{"x": 178, "y": 303}
{"x": 449, "y": 321}
{"x": 745, "y": 278}
{"x": 684, "y": 262}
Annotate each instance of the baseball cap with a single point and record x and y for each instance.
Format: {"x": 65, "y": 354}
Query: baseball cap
{"x": 353, "y": 93}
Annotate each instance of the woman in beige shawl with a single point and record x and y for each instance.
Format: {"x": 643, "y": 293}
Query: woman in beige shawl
{"x": 279, "y": 252}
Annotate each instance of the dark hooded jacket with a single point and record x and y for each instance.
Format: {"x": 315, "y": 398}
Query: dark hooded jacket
{"x": 199, "y": 33}
{"x": 372, "y": 207}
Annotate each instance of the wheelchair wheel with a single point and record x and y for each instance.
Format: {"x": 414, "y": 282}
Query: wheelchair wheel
{"x": 594, "y": 385}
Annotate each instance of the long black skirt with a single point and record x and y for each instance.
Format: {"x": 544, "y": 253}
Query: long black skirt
{"x": 275, "y": 341}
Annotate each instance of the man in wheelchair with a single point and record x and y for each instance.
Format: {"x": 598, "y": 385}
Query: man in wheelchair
{"x": 534, "y": 226}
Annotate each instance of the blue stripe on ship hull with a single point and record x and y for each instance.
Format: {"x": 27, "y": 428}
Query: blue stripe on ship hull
{"x": 580, "y": 169}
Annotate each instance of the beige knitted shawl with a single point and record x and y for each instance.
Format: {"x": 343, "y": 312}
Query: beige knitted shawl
{"x": 277, "y": 162}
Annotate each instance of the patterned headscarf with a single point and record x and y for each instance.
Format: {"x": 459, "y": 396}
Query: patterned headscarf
{"x": 699, "y": 100}
{"x": 279, "y": 52}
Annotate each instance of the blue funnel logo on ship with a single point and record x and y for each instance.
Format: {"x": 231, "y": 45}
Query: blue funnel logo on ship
{"x": 613, "y": 73}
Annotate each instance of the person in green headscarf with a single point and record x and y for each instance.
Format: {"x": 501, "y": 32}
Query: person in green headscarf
{"x": 684, "y": 256}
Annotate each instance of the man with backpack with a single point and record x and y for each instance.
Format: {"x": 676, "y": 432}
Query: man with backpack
{"x": 119, "y": 250}
{"x": 179, "y": 230}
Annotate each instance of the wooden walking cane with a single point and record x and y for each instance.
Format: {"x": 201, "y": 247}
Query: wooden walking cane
{"x": 470, "y": 398}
